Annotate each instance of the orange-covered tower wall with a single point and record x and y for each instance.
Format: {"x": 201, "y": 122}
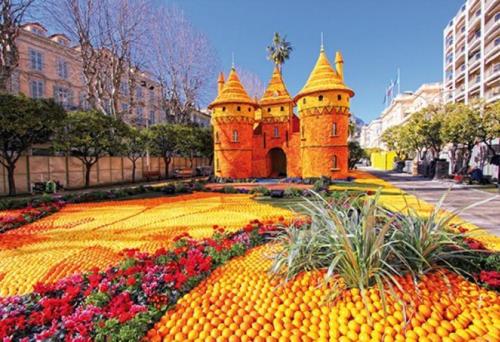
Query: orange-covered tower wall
{"x": 233, "y": 113}
{"x": 323, "y": 106}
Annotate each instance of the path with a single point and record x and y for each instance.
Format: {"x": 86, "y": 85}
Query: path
{"x": 486, "y": 216}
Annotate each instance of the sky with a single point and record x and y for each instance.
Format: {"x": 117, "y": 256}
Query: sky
{"x": 376, "y": 37}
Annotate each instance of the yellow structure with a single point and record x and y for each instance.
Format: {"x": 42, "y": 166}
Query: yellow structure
{"x": 383, "y": 160}
{"x": 264, "y": 138}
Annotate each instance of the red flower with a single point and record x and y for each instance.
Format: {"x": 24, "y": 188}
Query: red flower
{"x": 131, "y": 281}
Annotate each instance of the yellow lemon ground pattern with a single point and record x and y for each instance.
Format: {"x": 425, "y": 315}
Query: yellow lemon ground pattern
{"x": 83, "y": 236}
{"x": 398, "y": 200}
{"x": 231, "y": 305}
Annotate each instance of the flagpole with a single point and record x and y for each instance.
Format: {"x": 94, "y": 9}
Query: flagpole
{"x": 399, "y": 82}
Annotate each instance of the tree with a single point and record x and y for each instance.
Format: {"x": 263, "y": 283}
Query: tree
{"x": 12, "y": 13}
{"x": 252, "y": 83}
{"x": 394, "y": 140}
{"x": 279, "y": 51}
{"x": 133, "y": 145}
{"x": 164, "y": 141}
{"x": 88, "y": 136}
{"x": 428, "y": 128}
{"x": 490, "y": 125}
{"x": 110, "y": 34}
{"x": 183, "y": 61}
{"x": 355, "y": 153}
{"x": 462, "y": 127}
{"x": 24, "y": 122}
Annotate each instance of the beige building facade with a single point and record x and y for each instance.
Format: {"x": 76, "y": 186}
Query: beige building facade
{"x": 50, "y": 67}
{"x": 399, "y": 111}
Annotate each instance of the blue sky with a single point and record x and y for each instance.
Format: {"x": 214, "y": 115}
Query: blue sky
{"x": 375, "y": 37}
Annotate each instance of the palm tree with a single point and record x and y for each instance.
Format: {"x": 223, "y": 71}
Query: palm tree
{"x": 279, "y": 51}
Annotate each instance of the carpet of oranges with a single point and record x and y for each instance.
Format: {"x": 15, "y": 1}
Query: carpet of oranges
{"x": 83, "y": 236}
{"x": 398, "y": 200}
{"x": 232, "y": 305}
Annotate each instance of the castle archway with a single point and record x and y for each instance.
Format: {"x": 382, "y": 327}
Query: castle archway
{"x": 276, "y": 158}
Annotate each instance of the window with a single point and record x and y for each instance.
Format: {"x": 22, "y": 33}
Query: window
{"x": 36, "y": 59}
{"x": 334, "y": 129}
{"x": 235, "y": 136}
{"x": 249, "y": 109}
{"x": 151, "y": 95}
{"x": 334, "y": 162}
{"x": 497, "y": 41}
{"x": 152, "y": 117}
{"x": 62, "y": 68}
{"x": 124, "y": 107}
{"x": 497, "y": 17}
{"x": 217, "y": 164}
{"x": 238, "y": 109}
{"x": 282, "y": 108}
{"x": 36, "y": 89}
{"x": 320, "y": 98}
{"x": 304, "y": 101}
{"x": 339, "y": 97}
{"x": 269, "y": 110}
{"x": 217, "y": 140}
{"x": 63, "y": 96}
{"x": 223, "y": 109}
{"x": 139, "y": 115}
{"x": 276, "y": 132}
{"x": 124, "y": 88}
{"x": 138, "y": 93}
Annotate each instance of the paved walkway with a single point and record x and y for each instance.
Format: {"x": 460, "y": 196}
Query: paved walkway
{"x": 486, "y": 215}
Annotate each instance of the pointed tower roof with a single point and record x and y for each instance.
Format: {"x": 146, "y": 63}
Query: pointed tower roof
{"x": 323, "y": 77}
{"x": 232, "y": 92}
{"x": 221, "y": 77}
{"x": 276, "y": 91}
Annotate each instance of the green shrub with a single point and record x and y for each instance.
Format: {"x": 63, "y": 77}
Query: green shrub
{"x": 229, "y": 189}
{"x": 260, "y": 190}
{"x": 293, "y": 192}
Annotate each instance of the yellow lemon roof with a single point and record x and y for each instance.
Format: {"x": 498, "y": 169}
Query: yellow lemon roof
{"x": 232, "y": 92}
{"x": 323, "y": 77}
{"x": 276, "y": 91}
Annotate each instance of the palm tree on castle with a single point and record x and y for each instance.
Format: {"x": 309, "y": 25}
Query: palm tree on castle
{"x": 279, "y": 51}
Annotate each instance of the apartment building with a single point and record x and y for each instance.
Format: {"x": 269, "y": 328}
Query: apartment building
{"x": 50, "y": 66}
{"x": 399, "y": 111}
{"x": 471, "y": 58}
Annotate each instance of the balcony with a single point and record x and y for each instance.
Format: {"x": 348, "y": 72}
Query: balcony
{"x": 492, "y": 25}
{"x": 492, "y": 95}
{"x": 492, "y": 74}
{"x": 474, "y": 61}
{"x": 489, "y": 4}
{"x": 491, "y": 49}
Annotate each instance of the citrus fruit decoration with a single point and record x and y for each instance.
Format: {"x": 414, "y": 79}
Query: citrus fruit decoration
{"x": 241, "y": 302}
{"x": 83, "y": 236}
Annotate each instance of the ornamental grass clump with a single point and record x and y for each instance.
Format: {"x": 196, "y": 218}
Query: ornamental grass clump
{"x": 360, "y": 244}
{"x": 426, "y": 242}
{"x": 354, "y": 242}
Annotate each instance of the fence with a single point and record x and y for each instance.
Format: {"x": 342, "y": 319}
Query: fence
{"x": 70, "y": 172}
{"x": 383, "y": 160}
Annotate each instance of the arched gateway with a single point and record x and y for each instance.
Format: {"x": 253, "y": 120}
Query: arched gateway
{"x": 277, "y": 162}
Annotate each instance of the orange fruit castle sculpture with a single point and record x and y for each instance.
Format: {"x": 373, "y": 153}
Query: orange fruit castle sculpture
{"x": 266, "y": 139}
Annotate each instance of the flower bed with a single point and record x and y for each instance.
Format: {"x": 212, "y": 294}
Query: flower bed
{"x": 123, "y": 301}
{"x": 86, "y": 235}
{"x": 17, "y": 218}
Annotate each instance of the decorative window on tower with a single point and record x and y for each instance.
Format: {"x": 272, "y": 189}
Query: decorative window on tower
{"x": 235, "y": 136}
{"x": 217, "y": 140}
{"x": 217, "y": 164}
{"x": 320, "y": 98}
{"x": 334, "y": 129}
{"x": 334, "y": 162}
{"x": 276, "y": 132}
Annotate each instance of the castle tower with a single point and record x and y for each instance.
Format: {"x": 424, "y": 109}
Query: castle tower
{"x": 276, "y": 106}
{"x": 323, "y": 106}
{"x": 233, "y": 113}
